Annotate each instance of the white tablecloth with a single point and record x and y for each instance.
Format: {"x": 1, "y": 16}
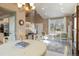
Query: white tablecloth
{"x": 35, "y": 48}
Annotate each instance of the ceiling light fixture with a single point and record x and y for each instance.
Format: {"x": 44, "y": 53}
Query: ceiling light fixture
{"x": 32, "y": 5}
{"x": 62, "y": 9}
{"x": 26, "y": 6}
{"x": 43, "y": 8}
{"x": 19, "y": 5}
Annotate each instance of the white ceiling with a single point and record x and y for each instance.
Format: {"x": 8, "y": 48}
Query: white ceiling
{"x": 50, "y": 10}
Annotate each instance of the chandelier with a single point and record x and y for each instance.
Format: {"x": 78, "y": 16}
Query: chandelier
{"x": 26, "y": 6}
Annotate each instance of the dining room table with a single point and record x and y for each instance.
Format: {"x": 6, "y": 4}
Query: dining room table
{"x": 23, "y": 48}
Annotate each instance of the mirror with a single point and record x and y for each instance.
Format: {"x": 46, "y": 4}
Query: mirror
{"x": 21, "y": 22}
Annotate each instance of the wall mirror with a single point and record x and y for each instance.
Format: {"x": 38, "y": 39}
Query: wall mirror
{"x": 21, "y": 22}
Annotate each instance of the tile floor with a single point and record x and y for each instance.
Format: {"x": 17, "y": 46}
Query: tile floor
{"x": 52, "y": 53}
{"x": 56, "y": 48}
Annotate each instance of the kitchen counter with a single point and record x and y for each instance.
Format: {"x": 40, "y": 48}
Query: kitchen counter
{"x": 35, "y": 48}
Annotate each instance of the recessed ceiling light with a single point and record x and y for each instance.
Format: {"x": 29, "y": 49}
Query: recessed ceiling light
{"x": 62, "y": 9}
{"x": 43, "y": 8}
